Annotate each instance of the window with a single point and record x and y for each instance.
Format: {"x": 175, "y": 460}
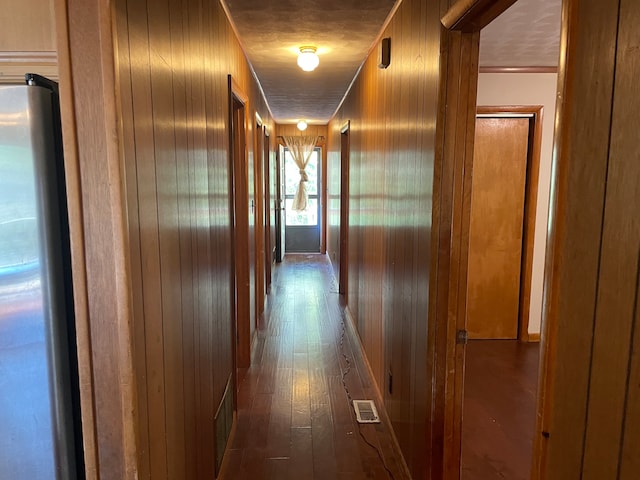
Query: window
{"x": 308, "y": 217}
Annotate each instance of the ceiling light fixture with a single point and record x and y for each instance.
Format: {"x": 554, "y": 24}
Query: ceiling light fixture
{"x": 302, "y": 125}
{"x": 308, "y": 59}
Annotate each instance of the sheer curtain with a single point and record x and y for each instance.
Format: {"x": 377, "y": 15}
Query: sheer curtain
{"x": 301, "y": 149}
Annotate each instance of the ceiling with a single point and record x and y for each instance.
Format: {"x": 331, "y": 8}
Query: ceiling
{"x": 271, "y": 32}
{"x": 526, "y": 35}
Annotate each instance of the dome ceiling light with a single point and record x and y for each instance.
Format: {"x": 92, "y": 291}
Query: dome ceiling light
{"x": 308, "y": 59}
{"x": 302, "y": 125}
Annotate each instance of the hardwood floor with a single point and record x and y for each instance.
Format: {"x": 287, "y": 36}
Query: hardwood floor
{"x": 499, "y": 409}
{"x": 294, "y": 418}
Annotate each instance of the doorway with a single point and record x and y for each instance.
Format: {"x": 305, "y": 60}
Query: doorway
{"x": 453, "y": 220}
{"x": 302, "y": 228}
{"x": 268, "y": 210}
{"x": 503, "y": 207}
{"x": 279, "y": 220}
{"x": 242, "y": 179}
{"x": 501, "y": 374}
{"x": 343, "y": 277}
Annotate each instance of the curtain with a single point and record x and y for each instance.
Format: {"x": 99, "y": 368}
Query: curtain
{"x": 301, "y": 149}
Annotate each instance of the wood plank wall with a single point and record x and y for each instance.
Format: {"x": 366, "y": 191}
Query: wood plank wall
{"x": 591, "y": 416}
{"x": 27, "y": 40}
{"x": 172, "y": 59}
{"x": 393, "y": 115}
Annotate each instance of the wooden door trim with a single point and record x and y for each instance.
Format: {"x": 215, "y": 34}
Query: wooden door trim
{"x": 279, "y": 202}
{"x": 96, "y": 195}
{"x": 322, "y": 144}
{"x": 455, "y": 130}
{"x": 238, "y": 203}
{"x": 258, "y": 193}
{"x": 531, "y": 199}
{"x": 266, "y": 165}
{"x": 343, "y": 281}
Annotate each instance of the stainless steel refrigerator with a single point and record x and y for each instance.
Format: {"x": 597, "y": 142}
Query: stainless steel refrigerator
{"x": 40, "y": 434}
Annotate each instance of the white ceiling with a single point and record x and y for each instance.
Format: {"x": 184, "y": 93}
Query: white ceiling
{"x": 271, "y": 31}
{"x": 526, "y": 35}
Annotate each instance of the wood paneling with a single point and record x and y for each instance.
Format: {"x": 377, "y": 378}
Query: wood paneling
{"x": 589, "y": 419}
{"x": 147, "y": 154}
{"x": 27, "y": 26}
{"x": 392, "y": 114}
{"x": 27, "y": 40}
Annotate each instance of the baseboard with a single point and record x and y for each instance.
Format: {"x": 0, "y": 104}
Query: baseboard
{"x": 534, "y": 337}
{"x": 382, "y": 411}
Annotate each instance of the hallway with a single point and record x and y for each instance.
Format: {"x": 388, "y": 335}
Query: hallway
{"x": 294, "y": 417}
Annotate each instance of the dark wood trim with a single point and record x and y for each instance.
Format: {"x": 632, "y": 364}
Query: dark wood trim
{"x": 452, "y": 182}
{"x": 531, "y": 199}
{"x": 240, "y": 298}
{"x": 473, "y": 15}
{"x": 259, "y": 224}
{"x": 550, "y": 69}
{"x": 345, "y": 146}
{"x": 266, "y": 201}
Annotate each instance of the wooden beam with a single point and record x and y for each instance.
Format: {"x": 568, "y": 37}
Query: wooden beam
{"x": 473, "y": 15}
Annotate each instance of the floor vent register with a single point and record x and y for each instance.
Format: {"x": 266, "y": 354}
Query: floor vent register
{"x": 366, "y": 411}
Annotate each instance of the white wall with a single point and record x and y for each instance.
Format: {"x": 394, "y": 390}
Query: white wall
{"x": 529, "y": 89}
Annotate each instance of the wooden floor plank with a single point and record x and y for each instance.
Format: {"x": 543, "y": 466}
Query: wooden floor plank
{"x": 499, "y": 409}
{"x": 294, "y": 419}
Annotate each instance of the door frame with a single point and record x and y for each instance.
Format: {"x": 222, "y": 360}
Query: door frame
{"x": 239, "y": 208}
{"x": 266, "y": 176}
{"x": 259, "y": 195}
{"x": 455, "y": 130}
{"x": 345, "y": 151}
{"x": 279, "y": 247}
{"x": 534, "y": 113}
